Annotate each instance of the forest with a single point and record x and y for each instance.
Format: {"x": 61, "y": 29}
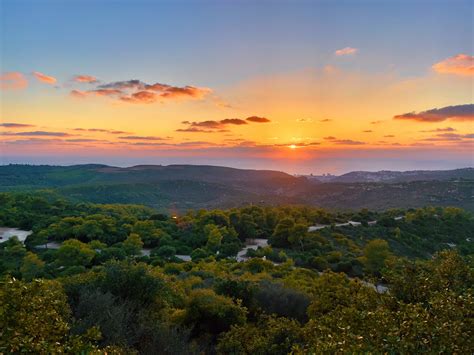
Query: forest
{"x": 128, "y": 279}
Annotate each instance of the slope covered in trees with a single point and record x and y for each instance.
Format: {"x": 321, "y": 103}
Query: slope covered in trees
{"x": 184, "y": 187}
{"x": 95, "y": 290}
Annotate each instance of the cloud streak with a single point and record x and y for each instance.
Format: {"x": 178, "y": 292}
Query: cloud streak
{"x": 37, "y": 133}
{"x": 455, "y": 113}
{"x": 15, "y": 125}
{"x": 89, "y": 79}
{"x": 346, "y": 51}
{"x": 44, "y": 78}
{"x": 211, "y": 126}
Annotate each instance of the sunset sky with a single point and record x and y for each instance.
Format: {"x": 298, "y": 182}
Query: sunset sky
{"x": 299, "y": 86}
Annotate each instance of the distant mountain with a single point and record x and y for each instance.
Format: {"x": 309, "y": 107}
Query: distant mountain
{"x": 400, "y": 176}
{"x": 183, "y": 187}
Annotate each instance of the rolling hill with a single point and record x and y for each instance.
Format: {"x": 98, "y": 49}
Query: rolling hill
{"x": 183, "y": 187}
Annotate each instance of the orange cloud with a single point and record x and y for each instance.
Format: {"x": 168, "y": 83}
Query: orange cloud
{"x": 140, "y": 97}
{"x": 346, "y": 51}
{"x": 461, "y": 64}
{"x": 187, "y": 91}
{"x": 85, "y": 79}
{"x": 44, "y": 78}
{"x": 13, "y": 81}
{"x": 138, "y": 92}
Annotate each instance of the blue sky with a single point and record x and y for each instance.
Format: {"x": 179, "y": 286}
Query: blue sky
{"x": 233, "y": 60}
{"x": 220, "y": 42}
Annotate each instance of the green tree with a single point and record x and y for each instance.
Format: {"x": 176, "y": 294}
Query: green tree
{"x": 34, "y": 319}
{"x": 133, "y": 244}
{"x": 214, "y": 237}
{"x": 32, "y": 267}
{"x": 74, "y": 253}
{"x": 376, "y": 252}
{"x": 282, "y": 232}
{"x": 207, "y": 312}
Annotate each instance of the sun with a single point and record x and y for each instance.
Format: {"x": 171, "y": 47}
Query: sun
{"x": 292, "y": 146}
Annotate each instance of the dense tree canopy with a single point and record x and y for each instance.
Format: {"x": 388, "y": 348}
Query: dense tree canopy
{"x": 112, "y": 279}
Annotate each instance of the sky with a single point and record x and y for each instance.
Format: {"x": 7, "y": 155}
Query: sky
{"x": 298, "y": 86}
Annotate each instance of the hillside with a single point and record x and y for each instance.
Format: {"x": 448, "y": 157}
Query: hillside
{"x": 185, "y": 187}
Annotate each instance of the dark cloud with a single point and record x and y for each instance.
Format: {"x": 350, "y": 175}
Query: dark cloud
{"x": 329, "y": 138}
{"x": 326, "y": 120}
{"x": 143, "y": 138}
{"x": 257, "y": 119}
{"x": 456, "y": 113}
{"x": 298, "y": 145}
{"x": 446, "y": 129}
{"x": 219, "y": 126}
{"x": 199, "y": 130}
{"x": 83, "y": 140}
{"x": 347, "y": 142}
{"x": 15, "y": 125}
{"x": 234, "y": 121}
{"x": 450, "y": 137}
{"x": 102, "y": 130}
{"x": 37, "y": 133}
{"x": 194, "y": 130}
{"x": 207, "y": 124}
{"x": 389, "y": 136}
{"x": 122, "y": 85}
{"x": 367, "y": 131}
{"x": 34, "y": 141}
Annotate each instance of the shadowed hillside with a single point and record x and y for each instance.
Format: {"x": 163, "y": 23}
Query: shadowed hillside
{"x": 184, "y": 187}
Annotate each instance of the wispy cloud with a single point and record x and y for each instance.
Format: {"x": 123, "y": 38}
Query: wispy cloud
{"x": 37, "y": 133}
{"x": 13, "y": 81}
{"x": 450, "y": 137}
{"x": 100, "y": 130}
{"x": 89, "y": 79}
{"x": 220, "y": 126}
{"x": 446, "y": 129}
{"x": 15, "y": 125}
{"x": 304, "y": 120}
{"x": 199, "y": 130}
{"x": 456, "y": 113}
{"x": 346, "y": 51}
{"x": 347, "y": 142}
{"x": 44, "y": 78}
{"x": 143, "y": 138}
{"x": 461, "y": 64}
